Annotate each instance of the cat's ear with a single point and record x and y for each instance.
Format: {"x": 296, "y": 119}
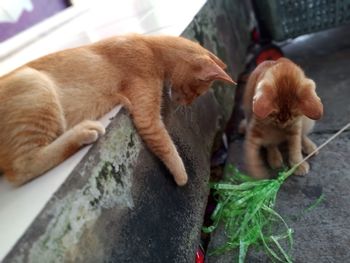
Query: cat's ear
{"x": 263, "y": 102}
{"x": 218, "y": 61}
{"x": 310, "y": 104}
{"x": 211, "y": 71}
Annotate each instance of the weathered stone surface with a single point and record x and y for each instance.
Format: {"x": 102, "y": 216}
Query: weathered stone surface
{"x": 224, "y": 28}
{"x": 103, "y": 180}
{"x": 120, "y": 204}
{"x": 322, "y": 234}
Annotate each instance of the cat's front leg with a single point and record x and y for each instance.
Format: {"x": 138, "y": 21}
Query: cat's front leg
{"x": 295, "y": 152}
{"x": 274, "y": 157}
{"x": 308, "y": 146}
{"x": 153, "y": 132}
{"x": 158, "y": 140}
{"x": 253, "y": 160}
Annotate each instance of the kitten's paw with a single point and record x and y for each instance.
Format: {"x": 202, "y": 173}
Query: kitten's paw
{"x": 180, "y": 176}
{"x": 303, "y": 169}
{"x": 178, "y": 170}
{"x": 309, "y": 146}
{"x": 181, "y": 180}
{"x": 89, "y": 131}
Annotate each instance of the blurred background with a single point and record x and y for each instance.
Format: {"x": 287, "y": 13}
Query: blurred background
{"x": 18, "y": 15}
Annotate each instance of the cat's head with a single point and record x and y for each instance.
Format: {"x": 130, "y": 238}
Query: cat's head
{"x": 194, "y": 74}
{"x": 284, "y": 93}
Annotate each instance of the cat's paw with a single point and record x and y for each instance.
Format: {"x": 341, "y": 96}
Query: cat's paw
{"x": 181, "y": 180}
{"x": 180, "y": 176}
{"x": 89, "y": 131}
{"x": 177, "y": 168}
{"x": 309, "y": 146}
{"x": 303, "y": 169}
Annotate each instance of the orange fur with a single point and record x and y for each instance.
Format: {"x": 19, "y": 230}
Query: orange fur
{"x": 280, "y": 104}
{"x": 49, "y": 107}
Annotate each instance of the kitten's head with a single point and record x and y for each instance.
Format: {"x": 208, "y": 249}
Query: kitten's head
{"x": 284, "y": 94}
{"x": 194, "y": 73}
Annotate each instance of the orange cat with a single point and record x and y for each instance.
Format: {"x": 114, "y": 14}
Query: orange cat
{"x": 280, "y": 104}
{"x": 49, "y": 107}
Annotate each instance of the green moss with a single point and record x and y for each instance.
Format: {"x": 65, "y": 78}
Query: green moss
{"x": 109, "y": 185}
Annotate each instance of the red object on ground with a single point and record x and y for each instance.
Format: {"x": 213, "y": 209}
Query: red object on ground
{"x": 268, "y": 53}
{"x": 255, "y": 35}
{"x": 199, "y": 256}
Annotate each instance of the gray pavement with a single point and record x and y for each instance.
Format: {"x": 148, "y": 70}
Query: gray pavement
{"x": 323, "y": 234}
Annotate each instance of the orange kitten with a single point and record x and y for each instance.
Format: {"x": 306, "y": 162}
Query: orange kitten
{"x": 49, "y": 107}
{"x": 280, "y": 104}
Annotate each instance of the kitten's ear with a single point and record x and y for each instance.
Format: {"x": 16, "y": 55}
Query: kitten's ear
{"x": 218, "y": 61}
{"x": 310, "y": 104}
{"x": 263, "y": 103}
{"x": 211, "y": 71}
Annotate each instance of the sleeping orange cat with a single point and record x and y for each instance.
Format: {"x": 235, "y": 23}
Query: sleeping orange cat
{"x": 49, "y": 107}
{"x": 280, "y": 104}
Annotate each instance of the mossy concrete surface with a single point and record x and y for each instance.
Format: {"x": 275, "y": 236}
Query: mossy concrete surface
{"x": 120, "y": 204}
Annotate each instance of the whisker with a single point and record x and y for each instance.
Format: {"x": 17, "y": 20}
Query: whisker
{"x": 186, "y": 114}
{"x": 177, "y": 108}
{"x": 191, "y": 116}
